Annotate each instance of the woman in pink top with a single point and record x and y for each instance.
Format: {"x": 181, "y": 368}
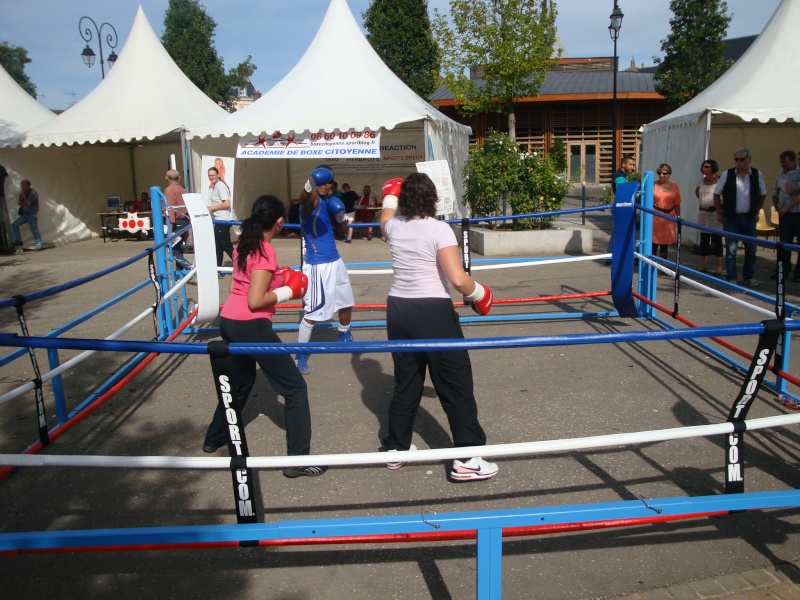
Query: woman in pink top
{"x": 425, "y": 257}
{"x": 257, "y": 286}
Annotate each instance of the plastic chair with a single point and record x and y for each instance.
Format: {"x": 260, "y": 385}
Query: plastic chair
{"x": 774, "y": 218}
{"x": 764, "y": 228}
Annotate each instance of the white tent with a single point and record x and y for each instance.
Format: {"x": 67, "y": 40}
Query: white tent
{"x": 339, "y": 85}
{"x": 120, "y": 137}
{"x": 19, "y": 111}
{"x": 754, "y": 104}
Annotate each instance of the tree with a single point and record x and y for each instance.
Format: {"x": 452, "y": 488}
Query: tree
{"x": 189, "y": 40}
{"x": 500, "y": 172}
{"x": 400, "y": 32}
{"x": 509, "y": 42}
{"x": 13, "y": 59}
{"x": 693, "y": 51}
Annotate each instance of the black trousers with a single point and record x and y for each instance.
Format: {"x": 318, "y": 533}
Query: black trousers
{"x": 222, "y": 240}
{"x": 451, "y": 372}
{"x": 790, "y": 231}
{"x": 282, "y": 375}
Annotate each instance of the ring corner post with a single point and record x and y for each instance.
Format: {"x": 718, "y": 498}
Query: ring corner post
{"x": 647, "y": 272}
{"x": 157, "y": 212}
{"x": 622, "y": 252}
{"x": 490, "y": 564}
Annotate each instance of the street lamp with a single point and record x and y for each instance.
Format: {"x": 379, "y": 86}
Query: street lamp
{"x": 613, "y": 29}
{"x": 88, "y": 54}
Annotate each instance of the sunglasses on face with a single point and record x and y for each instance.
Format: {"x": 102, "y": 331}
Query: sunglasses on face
{"x": 737, "y": 159}
{"x": 664, "y": 173}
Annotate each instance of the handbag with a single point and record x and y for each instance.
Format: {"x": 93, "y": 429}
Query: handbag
{"x": 19, "y": 211}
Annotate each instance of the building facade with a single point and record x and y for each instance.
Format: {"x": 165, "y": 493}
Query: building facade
{"x": 575, "y": 104}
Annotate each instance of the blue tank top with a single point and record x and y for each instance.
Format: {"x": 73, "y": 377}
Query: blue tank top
{"x": 318, "y": 231}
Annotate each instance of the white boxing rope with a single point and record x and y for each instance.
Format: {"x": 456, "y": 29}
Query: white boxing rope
{"x": 497, "y": 450}
{"x": 707, "y": 289}
{"x": 531, "y": 263}
{"x": 75, "y": 360}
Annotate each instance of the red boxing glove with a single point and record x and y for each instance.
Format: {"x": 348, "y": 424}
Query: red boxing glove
{"x": 297, "y": 281}
{"x": 481, "y": 299}
{"x": 294, "y": 285}
{"x": 390, "y": 192}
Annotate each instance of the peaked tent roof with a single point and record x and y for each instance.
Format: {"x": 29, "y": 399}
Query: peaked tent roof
{"x": 295, "y": 104}
{"x": 144, "y": 96}
{"x": 759, "y": 85}
{"x": 18, "y": 111}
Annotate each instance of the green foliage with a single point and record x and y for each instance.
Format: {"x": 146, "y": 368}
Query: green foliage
{"x": 693, "y": 51}
{"x": 189, "y": 40}
{"x": 528, "y": 181}
{"x": 511, "y": 44}
{"x": 13, "y": 59}
{"x": 400, "y": 32}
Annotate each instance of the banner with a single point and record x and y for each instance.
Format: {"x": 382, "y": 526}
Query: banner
{"x": 322, "y": 146}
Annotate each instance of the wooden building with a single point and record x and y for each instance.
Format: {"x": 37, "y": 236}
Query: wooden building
{"x": 575, "y": 104}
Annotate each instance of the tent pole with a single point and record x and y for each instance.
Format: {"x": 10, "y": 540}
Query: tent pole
{"x": 133, "y": 171}
{"x": 708, "y": 134}
{"x": 186, "y": 155}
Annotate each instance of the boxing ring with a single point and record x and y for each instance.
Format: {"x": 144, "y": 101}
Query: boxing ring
{"x": 173, "y": 312}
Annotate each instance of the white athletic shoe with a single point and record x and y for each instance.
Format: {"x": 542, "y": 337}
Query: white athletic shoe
{"x": 396, "y": 465}
{"x": 473, "y": 470}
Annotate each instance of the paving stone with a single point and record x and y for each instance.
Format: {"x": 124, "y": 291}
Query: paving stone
{"x": 786, "y": 591}
{"x": 707, "y": 588}
{"x": 682, "y": 592}
{"x": 734, "y": 582}
{"x": 760, "y": 577}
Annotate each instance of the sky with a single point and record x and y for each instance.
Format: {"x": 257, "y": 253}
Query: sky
{"x": 277, "y": 32}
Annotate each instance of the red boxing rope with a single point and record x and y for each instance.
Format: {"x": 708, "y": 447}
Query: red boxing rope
{"x": 61, "y": 429}
{"x": 495, "y": 302}
{"x": 787, "y": 376}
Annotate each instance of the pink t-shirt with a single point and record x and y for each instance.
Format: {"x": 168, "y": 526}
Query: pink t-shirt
{"x": 235, "y": 306}
{"x": 414, "y": 244}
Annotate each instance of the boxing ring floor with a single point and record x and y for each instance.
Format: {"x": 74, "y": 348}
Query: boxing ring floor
{"x": 523, "y": 394}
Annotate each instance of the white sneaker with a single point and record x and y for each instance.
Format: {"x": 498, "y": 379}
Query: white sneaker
{"x": 396, "y": 465}
{"x": 474, "y": 469}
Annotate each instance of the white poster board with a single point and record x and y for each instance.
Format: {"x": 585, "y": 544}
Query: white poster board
{"x": 205, "y": 257}
{"x": 439, "y": 172}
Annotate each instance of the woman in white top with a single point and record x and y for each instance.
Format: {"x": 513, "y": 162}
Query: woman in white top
{"x": 425, "y": 256}
{"x": 708, "y": 215}
{"x": 218, "y": 202}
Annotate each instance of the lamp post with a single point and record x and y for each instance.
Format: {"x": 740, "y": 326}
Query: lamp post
{"x": 613, "y": 29}
{"x": 88, "y": 54}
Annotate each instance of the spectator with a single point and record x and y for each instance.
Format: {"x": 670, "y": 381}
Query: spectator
{"x": 667, "y": 200}
{"x": 707, "y": 217}
{"x": 739, "y": 196}
{"x": 28, "y": 213}
{"x": 219, "y": 202}
{"x": 349, "y": 198}
{"x": 363, "y": 215}
{"x": 178, "y": 215}
{"x": 786, "y": 201}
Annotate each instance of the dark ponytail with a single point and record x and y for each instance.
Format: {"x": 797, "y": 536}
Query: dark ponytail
{"x": 266, "y": 212}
